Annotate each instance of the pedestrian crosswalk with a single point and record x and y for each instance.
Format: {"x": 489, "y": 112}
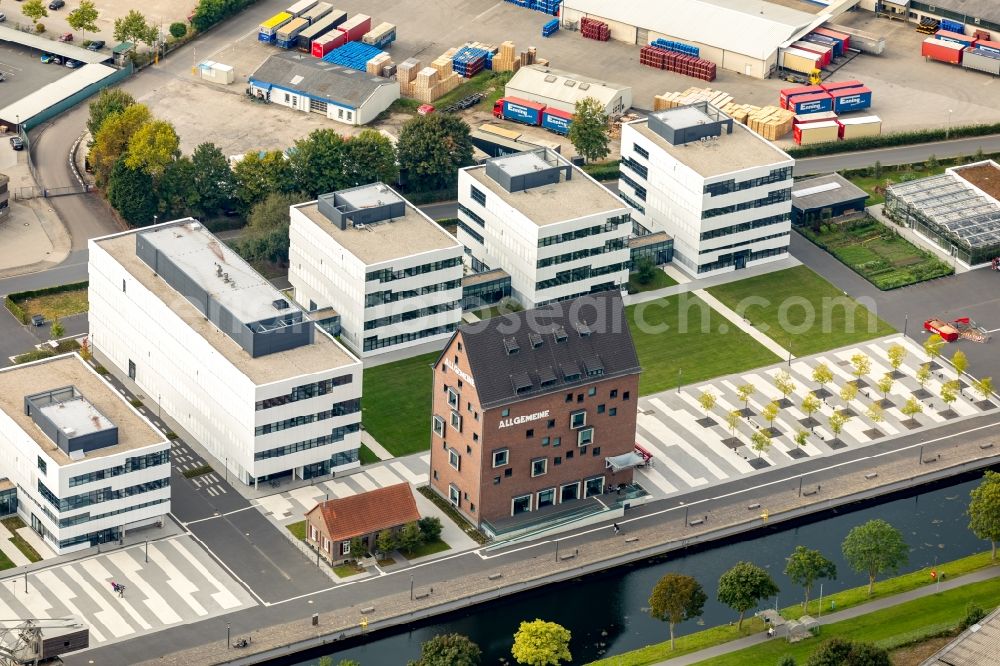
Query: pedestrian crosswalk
{"x": 180, "y": 583}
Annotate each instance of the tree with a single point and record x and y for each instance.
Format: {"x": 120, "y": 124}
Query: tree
{"x": 923, "y": 374}
{"x": 960, "y": 361}
{"x": 787, "y": 660}
{"x": 430, "y": 527}
{"x": 676, "y": 598}
{"x": 645, "y": 269}
{"x": 949, "y": 392}
{"x": 153, "y": 147}
{"x": 113, "y": 138}
{"x": 83, "y": 18}
{"x": 837, "y": 422}
{"x": 875, "y": 413}
{"x": 810, "y": 405}
{"x": 884, "y": 384}
{"x": 131, "y": 28}
{"x": 317, "y": 162}
{"x": 843, "y": 652}
{"x": 760, "y": 441}
{"x": 109, "y": 102}
{"x": 984, "y": 387}
{"x": 848, "y": 392}
{"x": 386, "y": 542}
{"x": 802, "y": 437}
{"x": 131, "y": 193}
{"x": 707, "y": 401}
{"x": 178, "y": 30}
{"x": 743, "y": 586}
{"x": 212, "y": 179}
{"x": 896, "y": 354}
{"x": 770, "y": 412}
{"x": 875, "y": 547}
{"x": 370, "y": 157}
{"x": 410, "y": 538}
{"x": 34, "y": 10}
{"x": 911, "y": 407}
{"x": 589, "y": 130}
{"x": 744, "y": 392}
{"x": 984, "y": 510}
{"x": 176, "y": 192}
{"x": 805, "y": 566}
{"x": 733, "y": 420}
{"x": 862, "y": 365}
{"x": 56, "y": 330}
{"x": 541, "y": 643}
{"x": 357, "y": 548}
{"x": 266, "y": 236}
{"x": 432, "y": 149}
{"x": 784, "y": 383}
{"x": 822, "y": 375}
{"x": 448, "y": 650}
{"x": 258, "y": 175}
{"x": 933, "y": 345}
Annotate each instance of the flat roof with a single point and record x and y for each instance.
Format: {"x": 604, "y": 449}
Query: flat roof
{"x": 567, "y": 87}
{"x": 31, "y": 105}
{"x": 39, "y": 43}
{"x": 78, "y": 414}
{"x": 549, "y": 204}
{"x": 823, "y": 191}
{"x": 484, "y": 277}
{"x": 17, "y": 382}
{"x": 743, "y": 149}
{"x": 413, "y": 233}
{"x": 322, "y": 354}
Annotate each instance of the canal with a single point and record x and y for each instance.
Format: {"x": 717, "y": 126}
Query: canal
{"x": 607, "y": 612}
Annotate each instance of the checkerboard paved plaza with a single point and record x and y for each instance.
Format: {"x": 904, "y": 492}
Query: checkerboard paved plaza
{"x": 179, "y": 584}
{"x": 692, "y": 448}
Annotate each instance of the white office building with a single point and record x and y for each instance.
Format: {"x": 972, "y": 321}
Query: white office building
{"x": 557, "y": 232}
{"x": 392, "y": 274}
{"x": 719, "y": 189}
{"x": 221, "y": 351}
{"x": 87, "y": 465}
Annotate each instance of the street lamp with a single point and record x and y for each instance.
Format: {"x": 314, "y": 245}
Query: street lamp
{"x": 947, "y": 130}
{"x": 228, "y": 627}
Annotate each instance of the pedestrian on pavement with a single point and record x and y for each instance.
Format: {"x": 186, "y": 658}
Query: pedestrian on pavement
{"x": 770, "y": 632}
{"x": 616, "y": 528}
{"x": 121, "y": 591}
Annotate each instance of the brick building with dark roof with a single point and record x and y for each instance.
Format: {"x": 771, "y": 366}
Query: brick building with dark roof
{"x": 528, "y": 407}
{"x": 332, "y": 524}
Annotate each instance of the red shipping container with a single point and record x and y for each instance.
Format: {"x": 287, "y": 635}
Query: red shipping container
{"x": 840, "y": 85}
{"x": 842, "y": 36}
{"x": 800, "y": 90}
{"x": 328, "y": 42}
{"x": 806, "y": 118}
{"x": 937, "y": 49}
{"x": 356, "y": 27}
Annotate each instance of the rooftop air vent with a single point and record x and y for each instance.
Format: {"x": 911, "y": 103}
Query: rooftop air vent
{"x": 584, "y": 86}
{"x": 510, "y": 344}
{"x": 550, "y": 78}
{"x": 560, "y": 334}
{"x": 583, "y": 330}
{"x": 535, "y": 339}
{"x": 280, "y": 304}
{"x": 522, "y": 382}
{"x": 569, "y": 83}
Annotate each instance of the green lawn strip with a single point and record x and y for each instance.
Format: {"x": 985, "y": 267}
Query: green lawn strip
{"x": 490, "y": 83}
{"x": 196, "y": 471}
{"x": 367, "y": 456}
{"x": 687, "y": 644}
{"x": 830, "y": 319}
{"x": 452, "y": 514}
{"x": 427, "y": 548}
{"x": 878, "y": 253}
{"x": 14, "y": 523}
{"x": 5, "y": 562}
{"x": 298, "y": 529}
{"x": 62, "y": 304}
{"x": 347, "y": 570}
{"x": 874, "y": 186}
{"x": 659, "y": 281}
{"x": 397, "y": 405}
{"x": 692, "y": 343}
{"x": 891, "y": 627}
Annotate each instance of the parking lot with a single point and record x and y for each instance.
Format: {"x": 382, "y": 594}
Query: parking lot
{"x": 24, "y": 73}
{"x": 157, "y": 12}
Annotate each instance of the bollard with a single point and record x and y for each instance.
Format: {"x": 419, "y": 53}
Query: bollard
{"x": 315, "y": 619}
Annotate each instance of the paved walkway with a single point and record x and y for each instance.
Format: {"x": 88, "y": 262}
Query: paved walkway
{"x": 839, "y": 616}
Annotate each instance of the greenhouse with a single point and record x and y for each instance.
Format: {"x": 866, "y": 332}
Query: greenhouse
{"x": 959, "y": 218}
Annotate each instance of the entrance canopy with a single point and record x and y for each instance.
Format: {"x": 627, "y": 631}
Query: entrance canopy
{"x": 624, "y": 461}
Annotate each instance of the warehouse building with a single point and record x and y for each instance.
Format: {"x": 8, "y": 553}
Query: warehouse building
{"x": 957, "y": 211}
{"x": 556, "y": 231}
{"x": 530, "y": 408}
{"x": 975, "y": 14}
{"x": 86, "y": 464}
{"x": 562, "y": 90}
{"x": 310, "y": 85}
{"x": 742, "y": 37}
{"x": 826, "y": 198}
{"x": 267, "y": 392}
{"x": 718, "y": 189}
{"x": 392, "y": 274}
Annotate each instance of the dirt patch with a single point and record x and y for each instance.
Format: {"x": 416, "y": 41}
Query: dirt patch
{"x": 986, "y": 177}
{"x": 914, "y": 655}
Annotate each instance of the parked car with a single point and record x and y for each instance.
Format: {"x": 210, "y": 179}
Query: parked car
{"x": 56, "y": 60}
{"x": 3, "y": 17}
{"x": 73, "y": 64}
{"x": 37, "y": 320}
{"x": 57, "y": 4}
{"x": 66, "y": 37}
{"x": 17, "y": 143}
{"x": 96, "y": 45}
{"x": 425, "y": 109}
{"x": 47, "y": 57}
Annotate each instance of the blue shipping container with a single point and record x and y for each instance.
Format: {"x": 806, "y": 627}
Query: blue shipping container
{"x": 555, "y": 123}
{"x": 807, "y": 105}
{"x": 521, "y": 113}
{"x": 855, "y": 102}
{"x": 836, "y": 44}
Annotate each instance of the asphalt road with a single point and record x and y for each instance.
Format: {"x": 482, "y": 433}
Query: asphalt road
{"x": 898, "y": 155}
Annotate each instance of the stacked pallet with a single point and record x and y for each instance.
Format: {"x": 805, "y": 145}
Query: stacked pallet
{"x": 716, "y": 98}
{"x": 681, "y": 63}
{"x": 426, "y": 84}
{"x": 508, "y": 60}
{"x": 594, "y": 29}
{"x": 378, "y": 65}
{"x": 770, "y": 122}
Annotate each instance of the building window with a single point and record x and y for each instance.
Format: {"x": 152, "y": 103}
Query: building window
{"x": 496, "y": 480}
{"x": 570, "y": 491}
{"x": 545, "y": 441}
{"x": 42, "y": 466}
{"x": 505, "y": 412}
{"x": 592, "y": 391}
{"x": 477, "y": 195}
{"x": 520, "y": 504}
{"x": 594, "y": 486}
{"x": 123, "y": 285}
{"x": 453, "y": 399}
{"x": 600, "y": 409}
{"x": 454, "y": 459}
{"x": 345, "y": 547}
{"x": 578, "y": 419}
{"x": 614, "y": 393}
{"x": 475, "y": 437}
{"x": 529, "y": 433}
{"x": 539, "y": 467}
{"x": 556, "y": 441}
{"x": 438, "y": 426}
{"x": 546, "y": 497}
{"x": 557, "y": 460}
{"x": 596, "y": 451}
{"x": 613, "y": 411}
{"x": 501, "y": 457}
{"x": 508, "y": 472}
{"x": 552, "y": 423}
{"x": 585, "y": 436}
{"x": 468, "y": 449}
{"x": 456, "y": 421}
{"x": 569, "y": 455}
{"x": 625, "y": 395}
{"x": 569, "y": 397}
{"x": 639, "y": 150}
{"x": 454, "y": 496}
{"x": 131, "y": 369}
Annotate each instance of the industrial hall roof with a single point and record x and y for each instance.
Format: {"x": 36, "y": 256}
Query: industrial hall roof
{"x": 552, "y": 348}
{"x": 563, "y": 86}
{"x": 823, "y": 191}
{"x": 315, "y": 78}
{"x": 972, "y": 9}
{"x": 366, "y": 513}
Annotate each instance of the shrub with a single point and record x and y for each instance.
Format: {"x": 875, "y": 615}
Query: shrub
{"x": 39, "y": 27}
{"x": 35, "y": 355}
{"x": 973, "y": 614}
{"x": 178, "y": 30}
{"x": 135, "y": 402}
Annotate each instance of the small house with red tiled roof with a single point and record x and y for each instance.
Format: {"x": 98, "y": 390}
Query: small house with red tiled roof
{"x": 333, "y": 523}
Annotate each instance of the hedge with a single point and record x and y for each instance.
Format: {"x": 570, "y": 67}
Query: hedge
{"x": 11, "y": 302}
{"x": 15, "y": 310}
{"x": 894, "y": 139}
{"x": 602, "y": 170}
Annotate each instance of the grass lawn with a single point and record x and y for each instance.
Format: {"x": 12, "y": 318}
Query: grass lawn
{"x": 428, "y": 548}
{"x": 5, "y": 562}
{"x": 876, "y": 186}
{"x": 63, "y": 304}
{"x": 692, "y": 342}
{"x": 652, "y": 654}
{"x": 15, "y": 523}
{"x": 491, "y": 83}
{"x": 889, "y": 628}
{"x": 298, "y": 529}
{"x": 367, "y": 456}
{"x": 347, "y": 570}
{"x": 659, "y": 281}
{"x": 397, "y": 405}
{"x": 878, "y": 254}
{"x": 803, "y": 313}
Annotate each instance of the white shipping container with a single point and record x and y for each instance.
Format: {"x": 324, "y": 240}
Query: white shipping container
{"x": 798, "y": 60}
{"x": 819, "y": 132}
{"x": 981, "y": 61}
{"x": 865, "y": 126}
